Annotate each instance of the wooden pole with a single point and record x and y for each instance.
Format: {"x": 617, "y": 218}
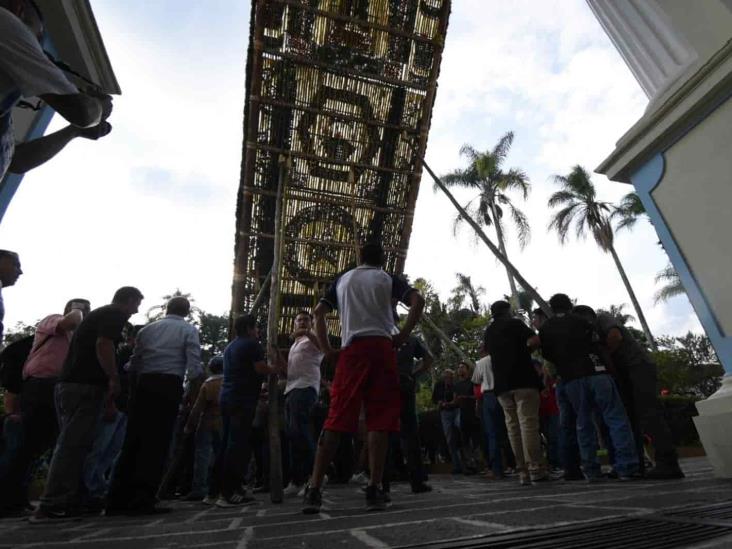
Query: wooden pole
{"x": 275, "y": 447}
{"x": 443, "y": 336}
{"x": 488, "y": 242}
{"x": 260, "y": 295}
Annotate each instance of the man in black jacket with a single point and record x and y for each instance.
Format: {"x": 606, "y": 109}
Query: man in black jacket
{"x": 517, "y": 387}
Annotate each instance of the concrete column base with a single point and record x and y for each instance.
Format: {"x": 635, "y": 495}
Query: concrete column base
{"x": 714, "y": 425}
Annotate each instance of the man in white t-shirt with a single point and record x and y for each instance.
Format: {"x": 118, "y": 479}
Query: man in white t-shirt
{"x": 366, "y": 373}
{"x": 301, "y": 394}
{"x": 25, "y": 71}
{"x": 491, "y": 414}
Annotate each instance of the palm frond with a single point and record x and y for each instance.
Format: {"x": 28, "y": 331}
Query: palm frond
{"x": 460, "y": 178}
{"x": 562, "y": 220}
{"x": 521, "y": 222}
{"x": 469, "y": 152}
{"x": 672, "y": 287}
{"x": 562, "y": 197}
{"x": 516, "y": 179}
{"x": 628, "y": 212}
{"x": 500, "y": 151}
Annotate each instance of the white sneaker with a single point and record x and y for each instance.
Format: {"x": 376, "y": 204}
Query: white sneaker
{"x": 292, "y": 490}
{"x": 209, "y": 500}
{"x": 236, "y": 500}
{"x": 303, "y": 490}
{"x": 360, "y": 478}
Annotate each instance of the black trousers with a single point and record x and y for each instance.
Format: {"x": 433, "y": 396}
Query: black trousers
{"x": 40, "y": 430}
{"x": 150, "y": 426}
{"x": 637, "y": 386}
{"x": 236, "y": 448}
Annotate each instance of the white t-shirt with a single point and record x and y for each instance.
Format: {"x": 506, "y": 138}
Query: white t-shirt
{"x": 303, "y": 365}
{"x": 483, "y": 374}
{"x": 25, "y": 71}
{"x": 23, "y": 65}
{"x": 363, "y": 296}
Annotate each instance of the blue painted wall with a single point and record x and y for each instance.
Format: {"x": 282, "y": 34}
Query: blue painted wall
{"x": 645, "y": 180}
{"x": 11, "y": 181}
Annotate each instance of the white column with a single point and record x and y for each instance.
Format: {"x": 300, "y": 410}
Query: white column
{"x": 656, "y": 53}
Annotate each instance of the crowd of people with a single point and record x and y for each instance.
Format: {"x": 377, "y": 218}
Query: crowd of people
{"x": 130, "y": 416}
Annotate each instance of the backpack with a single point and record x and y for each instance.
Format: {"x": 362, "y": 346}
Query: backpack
{"x": 12, "y": 360}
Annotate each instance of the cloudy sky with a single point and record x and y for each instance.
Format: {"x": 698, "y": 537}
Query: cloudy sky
{"x": 153, "y": 204}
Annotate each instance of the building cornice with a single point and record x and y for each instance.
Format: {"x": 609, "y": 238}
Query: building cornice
{"x": 670, "y": 115}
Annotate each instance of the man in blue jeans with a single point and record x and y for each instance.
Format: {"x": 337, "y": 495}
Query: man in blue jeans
{"x": 571, "y": 344}
{"x": 245, "y": 369}
{"x": 443, "y": 394}
{"x": 491, "y": 413}
{"x": 301, "y": 394}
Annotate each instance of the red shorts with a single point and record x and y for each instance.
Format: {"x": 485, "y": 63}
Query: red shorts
{"x": 366, "y": 374}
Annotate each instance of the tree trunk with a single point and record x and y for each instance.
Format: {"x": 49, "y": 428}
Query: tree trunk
{"x": 501, "y": 257}
{"x": 633, "y": 299}
{"x": 275, "y": 447}
{"x": 502, "y": 247}
{"x": 443, "y": 336}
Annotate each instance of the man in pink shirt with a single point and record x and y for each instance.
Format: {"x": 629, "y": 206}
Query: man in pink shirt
{"x": 37, "y": 407}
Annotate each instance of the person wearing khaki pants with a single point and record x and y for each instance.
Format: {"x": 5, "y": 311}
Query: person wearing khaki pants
{"x": 521, "y": 408}
{"x": 517, "y": 387}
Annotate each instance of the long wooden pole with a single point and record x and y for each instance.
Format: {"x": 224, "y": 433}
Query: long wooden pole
{"x": 488, "y": 242}
{"x": 276, "y": 494}
{"x": 260, "y": 296}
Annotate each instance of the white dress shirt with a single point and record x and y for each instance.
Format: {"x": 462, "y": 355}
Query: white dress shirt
{"x": 483, "y": 374}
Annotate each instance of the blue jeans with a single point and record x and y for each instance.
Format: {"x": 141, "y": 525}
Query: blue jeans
{"x": 208, "y": 443}
{"x": 236, "y": 448}
{"x": 451, "y": 427}
{"x": 299, "y": 404}
{"x": 494, "y": 429}
{"x": 568, "y": 448}
{"x": 599, "y": 392}
{"x": 104, "y": 454}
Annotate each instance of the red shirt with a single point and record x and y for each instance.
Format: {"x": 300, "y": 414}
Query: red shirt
{"x": 548, "y": 404}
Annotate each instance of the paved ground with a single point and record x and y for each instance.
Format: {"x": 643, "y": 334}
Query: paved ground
{"x": 459, "y": 507}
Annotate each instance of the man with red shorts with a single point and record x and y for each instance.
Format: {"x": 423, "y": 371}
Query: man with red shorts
{"x": 366, "y": 373}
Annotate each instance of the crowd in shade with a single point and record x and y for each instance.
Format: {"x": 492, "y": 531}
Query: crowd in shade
{"x": 130, "y": 416}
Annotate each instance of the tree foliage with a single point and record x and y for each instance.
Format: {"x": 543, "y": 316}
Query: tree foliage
{"x": 688, "y": 366}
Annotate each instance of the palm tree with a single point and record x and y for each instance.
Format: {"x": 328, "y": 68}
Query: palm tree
{"x": 485, "y": 174}
{"x": 672, "y": 284}
{"x": 629, "y": 211}
{"x": 579, "y": 206}
{"x": 156, "y": 312}
{"x": 465, "y": 289}
{"x": 617, "y": 312}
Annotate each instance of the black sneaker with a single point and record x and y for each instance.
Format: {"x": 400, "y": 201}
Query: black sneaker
{"x": 375, "y": 499}
{"x": 93, "y": 507}
{"x": 664, "y": 473}
{"x": 421, "y": 488}
{"x": 48, "y": 515}
{"x": 312, "y": 502}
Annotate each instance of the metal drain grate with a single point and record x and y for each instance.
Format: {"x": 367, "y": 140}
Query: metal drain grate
{"x": 628, "y": 533}
{"x": 718, "y": 512}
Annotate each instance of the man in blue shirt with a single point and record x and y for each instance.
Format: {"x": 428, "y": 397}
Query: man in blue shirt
{"x": 245, "y": 369}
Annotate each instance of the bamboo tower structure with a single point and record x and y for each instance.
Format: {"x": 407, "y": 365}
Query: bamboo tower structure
{"x": 337, "y": 86}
